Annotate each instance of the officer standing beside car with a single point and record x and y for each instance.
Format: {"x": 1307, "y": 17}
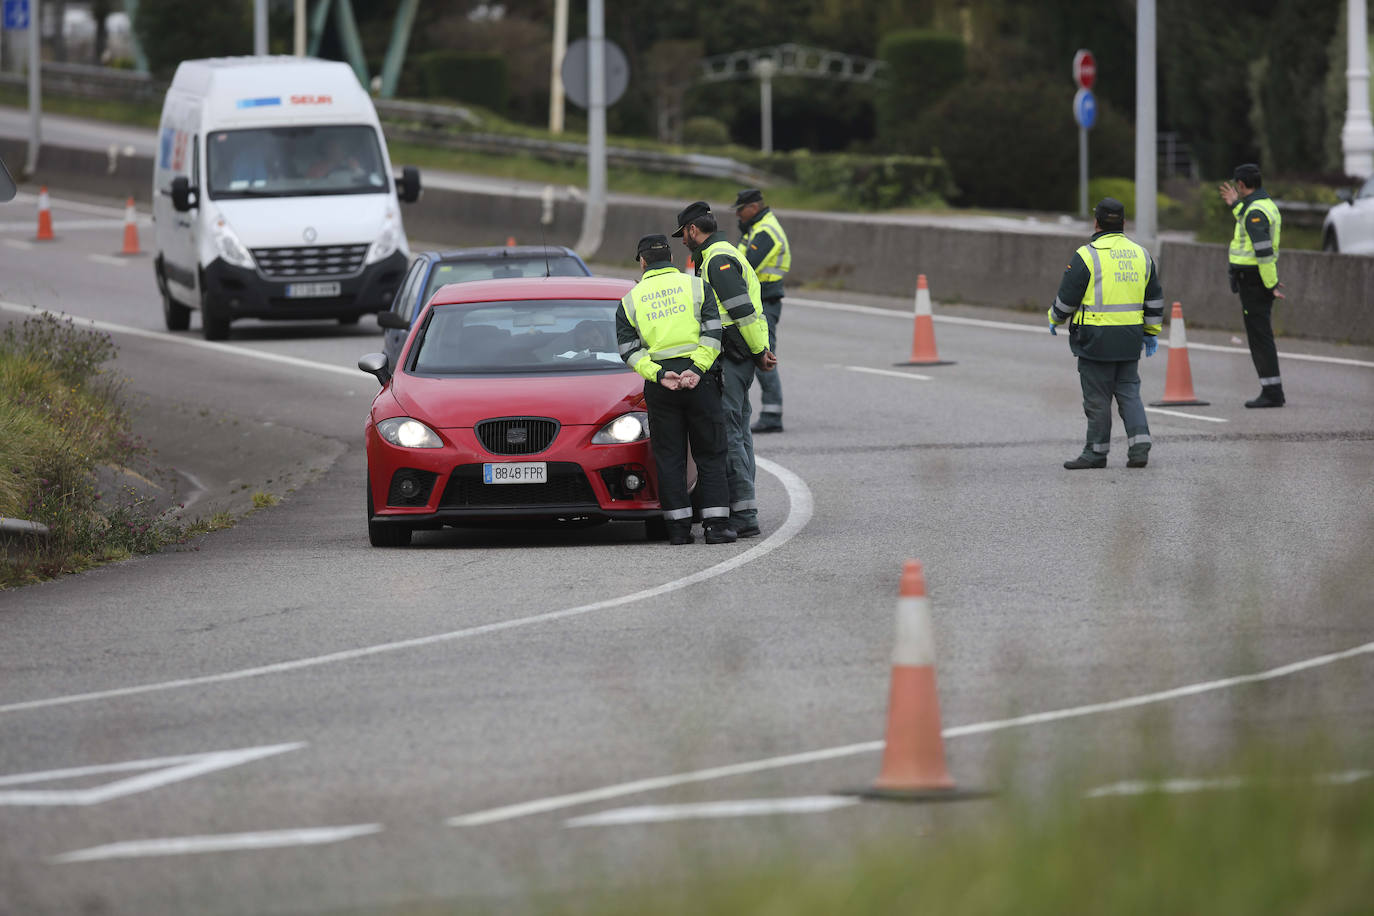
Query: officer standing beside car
{"x": 1111, "y": 292}
{"x": 745, "y": 347}
{"x": 764, "y": 245}
{"x": 1254, "y": 269}
{"x": 668, "y": 330}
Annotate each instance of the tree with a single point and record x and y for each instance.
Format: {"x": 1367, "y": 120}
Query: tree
{"x": 171, "y": 33}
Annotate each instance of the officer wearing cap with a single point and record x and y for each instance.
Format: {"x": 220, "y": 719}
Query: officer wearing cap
{"x": 744, "y": 344}
{"x": 1254, "y": 258}
{"x": 668, "y": 330}
{"x": 764, "y": 246}
{"x": 1112, "y": 294}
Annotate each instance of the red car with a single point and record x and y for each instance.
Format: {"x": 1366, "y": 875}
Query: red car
{"x": 510, "y": 402}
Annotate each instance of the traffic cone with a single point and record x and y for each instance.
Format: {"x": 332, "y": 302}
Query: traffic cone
{"x": 1178, "y": 378}
{"x": 923, "y": 351}
{"x": 44, "y": 217}
{"x": 130, "y": 230}
{"x": 510, "y": 241}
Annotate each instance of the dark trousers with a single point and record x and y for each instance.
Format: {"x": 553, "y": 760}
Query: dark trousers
{"x": 770, "y": 383}
{"x": 678, "y": 419}
{"x": 1103, "y": 381}
{"x": 1257, "y": 304}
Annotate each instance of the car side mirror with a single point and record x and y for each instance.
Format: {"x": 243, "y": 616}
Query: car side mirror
{"x": 376, "y": 364}
{"x": 184, "y": 197}
{"x": 391, "y": 321}
{"x": 408, "y": 185}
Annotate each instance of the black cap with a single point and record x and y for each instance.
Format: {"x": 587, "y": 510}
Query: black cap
{"x": 1248, "y": 173}
{"x": 654, "y": 248}
{"x": 690, "y": 212}
{"x": 748, "y": 196}
{"x": 1110, "y": 212}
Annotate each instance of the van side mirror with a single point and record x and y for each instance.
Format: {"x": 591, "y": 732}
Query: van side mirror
{"x": 408, "y": 185}
{"x": 376, "y": 364}
{"x": 184, "y": 197}
{"x": 391, "y": 321}
{"x": 1345, "y": 195}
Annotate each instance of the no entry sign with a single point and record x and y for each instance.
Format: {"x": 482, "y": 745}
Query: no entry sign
{"x": 1084, "y": 68}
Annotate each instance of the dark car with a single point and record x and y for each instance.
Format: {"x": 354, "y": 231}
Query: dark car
{"x": 432, "y": 269}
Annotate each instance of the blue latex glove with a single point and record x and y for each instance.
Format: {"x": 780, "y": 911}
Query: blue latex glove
{"x": 1054, "y": 330}
{"x": 1151, "y": 344}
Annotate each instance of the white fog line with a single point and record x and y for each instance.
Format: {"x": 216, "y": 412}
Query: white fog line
{"x": 888, "y": 372}
{"x": 108, "y": 259}
{"x": 62, "y": 225}
{"x": 1186, "y": 416}
{"x": 559, "y": 802}
{"x": 113, "y": 211}
{"x": 19, "y": 243}
{"x": 1042, "y": 329}
{"x": 182, "y": 340}
{"x": 1183, "y": 786}
{"x": 752, "y": 807}
{"x": 799, "y": 511}
{"x": 224, "y": 842}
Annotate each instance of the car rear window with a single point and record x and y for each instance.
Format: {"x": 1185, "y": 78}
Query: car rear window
{"x": 501, "y": 267}
{"x": 545, "y": 335}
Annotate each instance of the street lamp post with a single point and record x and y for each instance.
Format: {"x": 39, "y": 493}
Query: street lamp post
{"x": 1146, "y": 150}
{"x": 1357, "y": 136}
{"x": 765, "y": 68}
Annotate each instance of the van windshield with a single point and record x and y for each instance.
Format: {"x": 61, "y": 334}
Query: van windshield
{"x": 295, "y": 162}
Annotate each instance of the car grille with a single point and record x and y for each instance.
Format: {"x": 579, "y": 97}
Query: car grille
{"x": 315, "y": 261}
{"x": 567, "y": 486}
{"x": 516, "y": 435}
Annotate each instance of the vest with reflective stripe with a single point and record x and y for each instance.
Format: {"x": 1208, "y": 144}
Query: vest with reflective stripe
{"x": 665, "y": 308}
{"x": 753, "y": 328}
{"x": 751, "y": 279}
{"x": 1110, "y": 322}
{"x": 778, "y": 261}
{"x": 1243, "y": 250}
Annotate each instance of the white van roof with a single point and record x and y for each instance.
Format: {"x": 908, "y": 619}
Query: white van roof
{"x": 275, "y": 89}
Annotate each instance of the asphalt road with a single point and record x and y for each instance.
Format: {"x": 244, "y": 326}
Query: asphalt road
{"x": 285, "y": 720}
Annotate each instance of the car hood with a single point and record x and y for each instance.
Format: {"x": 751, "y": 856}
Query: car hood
{"x": 582, "y": 399}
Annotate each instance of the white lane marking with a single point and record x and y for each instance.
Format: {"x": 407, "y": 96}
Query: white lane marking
{"x": 224, "y": 842}
{"x": 165, "y": 337}
{"x": 800, "y": 507}
{"x": 558, "y": 802}
{"x": 889, "y": 372}
{"x": 109, "y": 259}
{"x": 57, "y": 203}
{"x": 1041, "y": 329}
{"x": 62, "y": 225}
{"x": 752, "y": 807}
{"x": 20, "y": 244}
{"x": 1186, "y": 416}
{"x": 1181, "y": 786}
{"x": 164, "y": 771}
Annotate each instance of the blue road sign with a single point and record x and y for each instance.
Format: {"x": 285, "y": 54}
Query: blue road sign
{"x": 1085, "y": 108}
{"x": 16, "y": 15}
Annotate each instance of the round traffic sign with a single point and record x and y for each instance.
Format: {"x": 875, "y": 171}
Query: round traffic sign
{"x": 1084, "y": 68}
{"x": 1085, "y": 108}
{"x": 574, "y": 71}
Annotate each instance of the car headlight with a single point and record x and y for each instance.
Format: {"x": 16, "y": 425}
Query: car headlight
{"x": 229, "y": 246}
{"x": 408, "y": 433}
{"x": 387, "y": 241}
{"x": 629, "y": 427}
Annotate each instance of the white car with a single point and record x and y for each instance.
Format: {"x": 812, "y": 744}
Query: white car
{"x": 1349, "y": 226}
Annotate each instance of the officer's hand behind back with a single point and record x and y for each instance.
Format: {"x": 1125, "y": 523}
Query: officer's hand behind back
{"x": 766, "y": 361}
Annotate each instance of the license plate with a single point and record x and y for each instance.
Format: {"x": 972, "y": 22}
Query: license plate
{"x": 516, "y": 472}
{"x": 311, "y": 290}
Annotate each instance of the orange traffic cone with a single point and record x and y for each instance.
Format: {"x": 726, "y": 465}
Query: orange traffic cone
{"x": 1178, "y": 378}
{"x": 923, "y": 351}
{"x": 130, "y": 230}
{"x": 510, "y": 241}
{"x": 44, "y": 217}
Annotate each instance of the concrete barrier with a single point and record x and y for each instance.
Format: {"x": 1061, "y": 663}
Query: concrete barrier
{"x": 1330, "y": 296}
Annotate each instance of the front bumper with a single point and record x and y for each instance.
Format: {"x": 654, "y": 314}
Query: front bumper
{"x": 243, "y": 292}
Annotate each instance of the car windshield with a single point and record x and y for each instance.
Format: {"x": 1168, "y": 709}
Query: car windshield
{"x": 543, "y": 335}
{"x": 501, "y": 266}
{"x": 295, "y": 162}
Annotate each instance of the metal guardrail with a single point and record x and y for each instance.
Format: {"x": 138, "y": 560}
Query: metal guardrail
{"x": 415, "y": 122}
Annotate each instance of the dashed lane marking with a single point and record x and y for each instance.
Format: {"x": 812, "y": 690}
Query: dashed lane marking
{"x": 110, "y": 259}
{"x": 887, "y": 372}
{"x": 18, "y": 243}
{"x": 63, "y": 225}
{"x": 1188, "y": 416}
{"x": 751, "y": 807}
{"x": 1182, "y": 786}
{"x": 223, "y": 842}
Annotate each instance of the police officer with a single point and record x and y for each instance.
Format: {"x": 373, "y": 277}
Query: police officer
{"x": 1255, "y": 274}
{"x": 1111, "y": 292}
{"x": 745, "y": 345}
{"x": 764, "y": 245}
{"x": 668, "y": 330}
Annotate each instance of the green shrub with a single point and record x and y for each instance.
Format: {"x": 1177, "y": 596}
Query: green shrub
{"x": 480, "y": 79}
{"x": 870, "y": 182}
{"x": 922, "y": 68}
{"x": 704, "y": 131}
{"x": 170, "y": 33}
{"x": 1123, "y": 189}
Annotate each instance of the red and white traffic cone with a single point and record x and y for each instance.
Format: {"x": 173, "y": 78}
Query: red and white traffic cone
{"x": 1178, "y": 378}
{"x": 130, "y": 230}
{"x": 44, "y": 217}
{"x": 923, "y": 352}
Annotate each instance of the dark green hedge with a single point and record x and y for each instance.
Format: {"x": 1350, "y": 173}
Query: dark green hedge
{"x": 873, "y": 182}
{"x": 922, "y": 68}
{"x": 478, "y": 79}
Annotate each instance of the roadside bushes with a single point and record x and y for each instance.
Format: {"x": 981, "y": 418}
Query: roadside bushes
{"x": 870, "y": 182}
{"x": 464, "y": 76}
{"x": 922, "y": 68}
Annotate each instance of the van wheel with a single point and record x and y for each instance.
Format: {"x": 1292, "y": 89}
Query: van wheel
{"x": 176, "y": 315}
{"x": 1329, "y": 243}
{"x": 213, "y": 324}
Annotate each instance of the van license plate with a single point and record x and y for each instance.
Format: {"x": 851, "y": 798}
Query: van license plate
{"x": 516, "y": 472}
{"x": 311, "y": 290}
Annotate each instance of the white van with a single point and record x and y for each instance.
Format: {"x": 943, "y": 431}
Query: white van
{"x": 273, "y": 195}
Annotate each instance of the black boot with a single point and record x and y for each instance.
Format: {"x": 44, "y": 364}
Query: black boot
{"x": 1086, "y": 461}
{"x": 720, "y": 533}
{"x": 1269, "y": 396}
{"x": 1138, "y": 459}
{"x": 768, "y": 423}
{"x": 680, "y": 534}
